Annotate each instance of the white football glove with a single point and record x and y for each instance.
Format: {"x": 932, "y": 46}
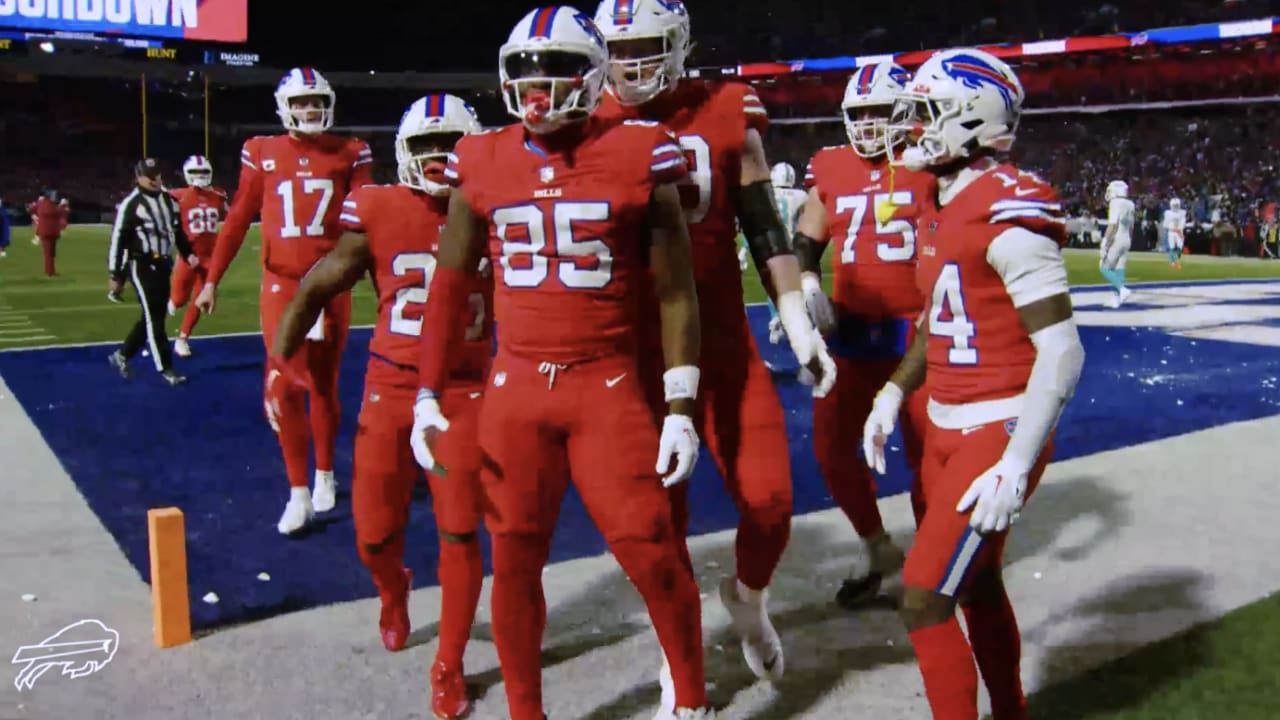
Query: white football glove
{"x": 678, "y": 444}
{"x": 426, "y": 415}
{"x": 828, "y": 365}
{"x": 996, "y": 496}
{"x": 776, "y": 333}
{"x": 817, "y": 304}
{"x": 806, "y": 343}
{"x": 880, "y": 424}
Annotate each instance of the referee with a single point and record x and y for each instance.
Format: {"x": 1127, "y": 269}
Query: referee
{"x": 148, "y": 226}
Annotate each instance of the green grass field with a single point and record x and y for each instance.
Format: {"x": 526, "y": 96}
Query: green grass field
{"x": 72, "y": 308}
{"x": 1225, "y": 669}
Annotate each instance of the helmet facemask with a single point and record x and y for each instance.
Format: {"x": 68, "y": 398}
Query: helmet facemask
{"x": 923, "y": 125}
{"x": 309, "y": 114}
{"x": 421, "y": 159}
{"x": 642, "y": 67}
{"x": 198, "y": 177}
{"x": 867, "y": 125}
{"x": 549, "y": 89}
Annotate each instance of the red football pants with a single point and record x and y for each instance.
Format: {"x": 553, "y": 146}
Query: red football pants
{"x": 185, "y": 284}
{"x": 741, "y": 424}
{"x": 543, "y": 424}
{"x": 838, "y": 420}
{"x": 49, "y": 245}
{"x": 322, "y": 358}
{"x": 947, "y": 552}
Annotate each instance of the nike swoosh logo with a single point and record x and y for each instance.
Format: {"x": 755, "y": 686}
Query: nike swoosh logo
{"x": 475, "y": 395}
{"x": 614, "y": 381}
{"x": 1023, "y": 192}
{"x": 968, "y": 430}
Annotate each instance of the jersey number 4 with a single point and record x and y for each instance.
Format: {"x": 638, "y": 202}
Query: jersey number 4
{"x": 406, "y": 312}
{"x": 202, "y": 220}
{"x": 949, "y": 319}
{"x": 888, "y": 251}
{"x": 582, "y": 263}
{"x": 309, "y": 186}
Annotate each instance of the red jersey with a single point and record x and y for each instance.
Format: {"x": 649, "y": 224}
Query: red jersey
{"x": 710, "y": 120}
{"x": 202, "y": 212}
{"x": 298, "y": 185}
{"x": 873, "y": 264}
{"x": 568, "y": 231}
{"x": 969, "y": 265}
{"x": 403, "y": 228}
{"x": 50, "y": 217}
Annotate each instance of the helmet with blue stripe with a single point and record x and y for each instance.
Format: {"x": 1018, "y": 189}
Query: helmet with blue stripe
{"x": 868, "y": 102}
{"x": 304, "y": 101}
{"x": 961, "y": 103}
{"x": 428, "y": 131}
{"x": 197, "y": 171}
{"x": 648, "y": 43}
{"x": 553, "y": 68}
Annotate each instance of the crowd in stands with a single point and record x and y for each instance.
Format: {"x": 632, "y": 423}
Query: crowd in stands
{"x": 1223, "y": 161}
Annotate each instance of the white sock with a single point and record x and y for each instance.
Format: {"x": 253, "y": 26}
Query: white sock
{"x": 300, "y": 493}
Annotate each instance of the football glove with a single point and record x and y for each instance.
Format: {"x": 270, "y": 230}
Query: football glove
{"x": 678, "y": 446}
{"x": 996, "y": 496}
{"x": 428, "y": 422}
{"x": 880, "y": 424}
{"x": 817, "y": 303}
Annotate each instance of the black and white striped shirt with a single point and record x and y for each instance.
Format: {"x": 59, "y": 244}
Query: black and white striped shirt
{"x": 148, "y": 226}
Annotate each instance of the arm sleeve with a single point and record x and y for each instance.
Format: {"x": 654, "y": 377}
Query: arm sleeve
{"x": 120, "y": 232}
{"x": 753, "y": 110}
{"x": 352, "y": 214}
{"x": 810, "y": 179}
{"x": 362, "y": 167}
{"x": 1029, "y": 264}
{"x": 666, "y": 163}
{"x": 243, "y": 210}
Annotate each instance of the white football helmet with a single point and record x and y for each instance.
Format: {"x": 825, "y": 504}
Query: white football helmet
{"x": 420, "y": 162}
{"x": 1175, "y": 204}
{"x": 198, "y": 171}
{"x": 553, "y": 68}
{"x": 868, "y": 103}
{"x": 783, "y": 176}
{"x": 958, "y": 104}
{"x": 1117, "y": 189}
{"x": 648, "y": 43}
{"x": 301, "y": 84}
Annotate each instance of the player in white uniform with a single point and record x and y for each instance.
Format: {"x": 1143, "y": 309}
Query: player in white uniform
{"x": 1116, "y": 242}
{"x": 1175, "y": 227}
{"x": 790, "y": 201}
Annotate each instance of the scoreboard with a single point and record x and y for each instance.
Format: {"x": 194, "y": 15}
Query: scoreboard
{"x": 224, "y": 21}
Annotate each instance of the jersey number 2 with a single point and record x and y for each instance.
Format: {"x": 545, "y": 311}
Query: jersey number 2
{"x": 948, "y": 297}
{"x": 310, "y": 186}
{"x": 202, "y": 220}
{"x": 412, "y": 298}
{"x": 885, "y": 250}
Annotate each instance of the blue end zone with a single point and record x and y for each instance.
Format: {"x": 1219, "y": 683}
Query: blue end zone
{"x": 206, "y": 448}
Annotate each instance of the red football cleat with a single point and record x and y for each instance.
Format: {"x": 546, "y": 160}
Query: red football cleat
{"x": 394, "y": 622}
{"x": 448, "y": 692}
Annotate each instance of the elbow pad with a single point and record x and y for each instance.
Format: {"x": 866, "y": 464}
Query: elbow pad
{"x": 763, "y": 228}
{"x": 809, "y": 253}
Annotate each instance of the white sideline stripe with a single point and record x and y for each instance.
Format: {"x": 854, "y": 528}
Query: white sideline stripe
{"x": 27, "y": 339}
{"x": 196, "y": 339}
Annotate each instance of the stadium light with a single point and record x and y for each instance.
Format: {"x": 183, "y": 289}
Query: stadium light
{"x": 47, "y": 46}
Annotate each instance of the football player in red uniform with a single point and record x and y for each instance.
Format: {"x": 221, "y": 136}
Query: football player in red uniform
{"x": 393, "y": 232}
{"x": 719, "y": 127}
{"x": 998, "y": 354}
{"x": 203, "y": 208}
{"x": 297, "y": 180}
{"x": 574, "y": 210}
{"x": 870, "y": 318}
{"x": 49, "y": 216}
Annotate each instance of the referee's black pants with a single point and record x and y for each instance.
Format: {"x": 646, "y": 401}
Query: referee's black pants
{"x": 150, "y": 277}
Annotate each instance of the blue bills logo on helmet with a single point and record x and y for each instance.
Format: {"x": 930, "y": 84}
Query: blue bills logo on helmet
{"x": 590, "y": 26}
{"x": 974, "y": 72}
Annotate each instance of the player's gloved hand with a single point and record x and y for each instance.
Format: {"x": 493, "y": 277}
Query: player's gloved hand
{"x": 193, "y": 260}
{"x": 825, "y": 379}
{"x": 996, "y": 496}
{"x": 776, "y": 332}
{"x": 880, "y": 423}
{"x": 282, "y": 376}
{"x": 428, "y": 423}
{"x": 678, "y": 446}
{"x": 817, "y": 304}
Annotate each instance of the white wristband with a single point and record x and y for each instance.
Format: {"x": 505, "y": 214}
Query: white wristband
{"x": 681, "y": 383}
